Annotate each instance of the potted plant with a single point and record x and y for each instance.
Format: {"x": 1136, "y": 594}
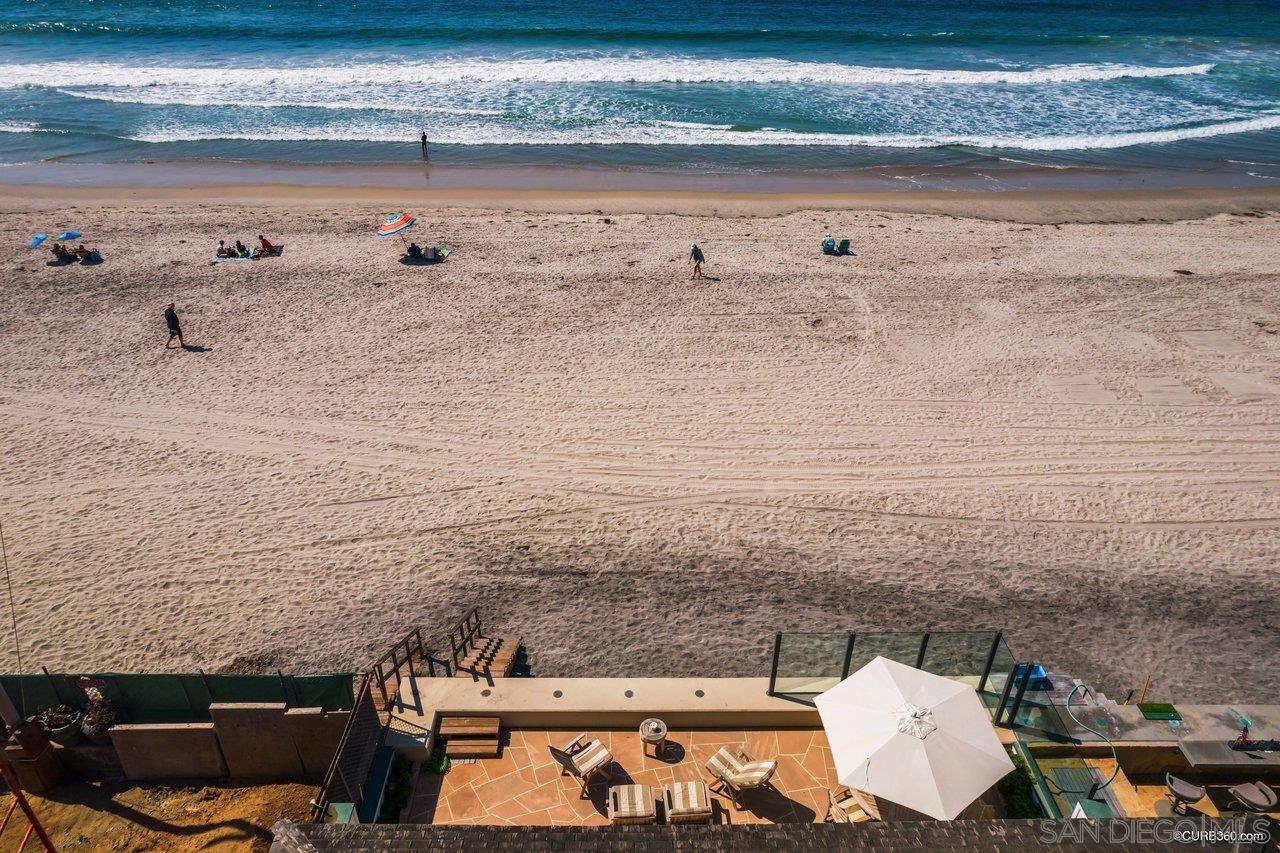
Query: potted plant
{"x": 62, "y": 722}
{"x": 99, "y": 718}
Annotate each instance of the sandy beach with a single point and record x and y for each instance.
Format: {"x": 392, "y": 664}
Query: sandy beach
{"x": 1025, "y": 421}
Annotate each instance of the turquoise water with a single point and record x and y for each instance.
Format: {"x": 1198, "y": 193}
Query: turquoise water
{"x": 747, "y": 85}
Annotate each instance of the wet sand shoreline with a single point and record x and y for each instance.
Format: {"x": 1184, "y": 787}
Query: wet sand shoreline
{"x": 1055, "y": 206}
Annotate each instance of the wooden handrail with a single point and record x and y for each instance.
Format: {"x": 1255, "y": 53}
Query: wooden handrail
{"x": 400, "y": 654}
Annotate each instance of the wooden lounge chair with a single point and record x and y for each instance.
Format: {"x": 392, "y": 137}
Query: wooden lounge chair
{"x": 632, "y": 804}
{"x": 687, "y": 802}
{"x": 582, "y": 760}
{"x": 845, "y": 805}
{"x": 738, "y": 773}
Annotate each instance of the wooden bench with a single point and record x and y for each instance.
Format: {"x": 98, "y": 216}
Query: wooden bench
{"x": 472, "y": 748}
{"x": 470, "y": 737}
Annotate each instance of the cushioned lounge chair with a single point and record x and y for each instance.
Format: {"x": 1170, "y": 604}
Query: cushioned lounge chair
{"x": 738, "y": 773}
{"x": 582, "y": 759}
{"x": 845, "y": 805}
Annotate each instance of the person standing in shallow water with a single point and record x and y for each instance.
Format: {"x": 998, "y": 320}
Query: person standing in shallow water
{"x": 424, "y": 145}
{"x": 175, "y": 330}
{"x": 696, "y": 258}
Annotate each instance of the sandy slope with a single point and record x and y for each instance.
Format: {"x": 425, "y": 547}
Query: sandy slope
{"x": 970, "y": 424}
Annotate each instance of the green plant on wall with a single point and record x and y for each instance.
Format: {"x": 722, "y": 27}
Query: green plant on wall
{"x": 1017, "y": 791}
{"x": 399, "y": 789}
{"x": 438, "y": 762}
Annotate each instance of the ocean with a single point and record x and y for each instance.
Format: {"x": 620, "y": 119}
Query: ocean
{"x": 905, "y": 90}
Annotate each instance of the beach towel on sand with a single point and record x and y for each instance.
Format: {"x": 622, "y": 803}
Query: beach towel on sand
{"x": 274, "y": 253}
{"x": 435, "y": 255}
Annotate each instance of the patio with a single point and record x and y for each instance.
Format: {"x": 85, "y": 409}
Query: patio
{"x": 523, "y": 786}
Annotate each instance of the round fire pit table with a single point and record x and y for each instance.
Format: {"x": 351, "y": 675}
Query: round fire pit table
{"x": 654, "y": 732}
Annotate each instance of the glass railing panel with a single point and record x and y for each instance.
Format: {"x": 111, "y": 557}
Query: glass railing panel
{"x": 809, "y": 663}
{"x": 900, "y": 646}
{"x": 1001, "y": 665}
{"x": 960, "y": 655}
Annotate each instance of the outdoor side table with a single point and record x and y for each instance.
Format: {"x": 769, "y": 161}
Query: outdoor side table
{"x": 654, "y": 731}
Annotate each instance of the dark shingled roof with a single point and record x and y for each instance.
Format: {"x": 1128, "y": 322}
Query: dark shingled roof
{"x": 1015, "y": 836}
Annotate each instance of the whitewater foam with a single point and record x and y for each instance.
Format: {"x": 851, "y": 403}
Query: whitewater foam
{"x": 697, "y": 135}
{"x": 218, "y": 98}
{"x": 26, "y": 127}
{"x": 667, "y": 69}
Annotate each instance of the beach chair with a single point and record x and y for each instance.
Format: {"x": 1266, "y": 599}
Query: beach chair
{"x": 843, "y": 248}
{"x": 582, "y": 760}
{"x": 1182, "y": 793}
{"x": 845, "y": 805}
{"x": 631, "y": 804}
{"x": 1254, "y": 797}
{"x": 738, "y": 773}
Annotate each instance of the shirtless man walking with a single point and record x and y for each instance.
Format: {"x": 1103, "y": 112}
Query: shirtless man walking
{"x": 175, "y": 330}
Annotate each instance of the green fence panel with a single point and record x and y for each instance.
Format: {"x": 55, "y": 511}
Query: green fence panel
{"x": 180, "y": 698}
{"x": 331, "y": 692}
{"x": 194, "y": 685}
{"x": 31, "y": 694}
{"x": 156, "y": 699}
{"x": 247, "y": 688}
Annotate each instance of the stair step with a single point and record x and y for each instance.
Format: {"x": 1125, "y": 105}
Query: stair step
{"x": 472, "y": 748}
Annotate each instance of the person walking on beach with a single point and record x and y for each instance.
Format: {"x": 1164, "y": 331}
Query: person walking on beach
{"x": 175, "y": 331}
{"x": 424, "y": 145}
{"x": 696, "y": 258}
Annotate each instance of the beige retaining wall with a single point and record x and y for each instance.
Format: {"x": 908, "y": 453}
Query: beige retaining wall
{"x": 604, "y": 702}
{"x": 244, "y": 740}
{"x": 168, "y": 751}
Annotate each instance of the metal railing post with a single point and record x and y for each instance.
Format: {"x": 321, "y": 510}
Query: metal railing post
{"x": 848, "y": 656}
{"x": 1022, "y": 688}
{"x": 924, "y": 644}
{"x": 773, "y": 673}
{"x": 991, "y": 659}
{"x": 1004, "y": 696}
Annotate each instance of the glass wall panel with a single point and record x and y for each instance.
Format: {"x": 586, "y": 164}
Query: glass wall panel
{"x": 901, "y": 646}
{"x": 1000, "y": 668}
{"x": 809, "y": 664}
{"x": 958, "y": 654}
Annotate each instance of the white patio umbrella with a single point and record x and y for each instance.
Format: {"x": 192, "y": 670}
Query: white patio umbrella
{"x": 913, "y": 738}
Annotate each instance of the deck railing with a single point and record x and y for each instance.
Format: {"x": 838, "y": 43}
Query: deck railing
{"x": 806, "y": 664}
{"x": 348, "y": 771}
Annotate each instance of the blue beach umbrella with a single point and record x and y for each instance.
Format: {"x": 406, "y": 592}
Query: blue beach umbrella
{"x": 68, "y": 235}
{"x": 37, "y": 240}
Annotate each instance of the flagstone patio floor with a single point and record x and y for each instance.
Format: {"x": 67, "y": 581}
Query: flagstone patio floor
{"x": 524, "y": 785}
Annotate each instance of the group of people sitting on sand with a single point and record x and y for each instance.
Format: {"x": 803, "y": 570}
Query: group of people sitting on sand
{"x": 64, "y": 254}
{"x": 265, "y": 248}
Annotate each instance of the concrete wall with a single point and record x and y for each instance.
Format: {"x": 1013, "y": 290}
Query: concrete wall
{"x": 250, "y": 741}
{"x": 255, "y": 741}
{"x": 605, "y": 702}
{"x": 168, "y": 751}
{"x": 89, "y": 761}
{"x": 315, "y": 735}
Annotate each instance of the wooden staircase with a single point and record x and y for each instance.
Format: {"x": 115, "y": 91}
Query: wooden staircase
{"x": 476, "y": 656}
